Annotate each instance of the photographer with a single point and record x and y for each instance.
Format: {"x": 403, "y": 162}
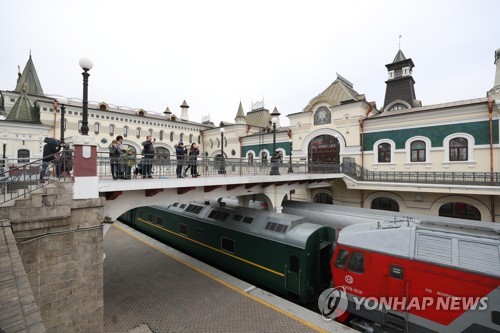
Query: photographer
{"x": 149, "y": 153}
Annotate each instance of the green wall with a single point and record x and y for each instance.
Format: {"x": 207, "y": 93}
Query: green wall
{"x": 479, "y": 130}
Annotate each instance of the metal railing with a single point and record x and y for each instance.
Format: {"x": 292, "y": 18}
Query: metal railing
{"x": 166, "y": 166}
{"x": 457, "y": 178}
{"x": 20, "y": 176}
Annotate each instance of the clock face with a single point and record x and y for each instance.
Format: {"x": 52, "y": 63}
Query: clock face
{"x": 257, "y": 105}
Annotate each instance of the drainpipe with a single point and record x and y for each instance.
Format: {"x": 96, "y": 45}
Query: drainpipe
{"x": 361, "y": 126}
{"x": 240, "y": 139}
{"x": 490, "y": 116}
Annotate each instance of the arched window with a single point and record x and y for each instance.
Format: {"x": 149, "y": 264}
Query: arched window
{"x": 418, "y": 151}
{"x": 79, "y": 126}
{"x": 23, "y": 156}
{"x": 323, "y": 198}
{"x": 138, "y": 132}
{"x": 397, "y": 106}
{"x": 384, "y": 203}
{"x": 190, "y": 138}
{"x": 250, "y": 158}
{"x": 150, "y": 132}
{"x": 218, "y": 142}
{"x": 264, "y": 157}
{"x": 172, "y": 136}
{"x": 460, "y": 210}
{"x": 125, "y": 131}
{"x": 384, "y": 153}
{"x": 162, "y": 153}
{"x": 111, "y": 130}
{"x": 458, "y": 149}
{"x": 161, "y": 135}
{"x": 199, "y": 139}
{"x": 96, "y": 128}
{"x": 181, "y": 137}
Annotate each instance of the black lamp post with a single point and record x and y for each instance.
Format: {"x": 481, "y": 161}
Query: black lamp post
{"x": 222, "y": 168}
{"x": 63, "y": 101}
{"x": 290, "y": 169}
{"x": 86, "y": 65}
{"x": 274, "y": 157}
{"x": 4, "y": 145}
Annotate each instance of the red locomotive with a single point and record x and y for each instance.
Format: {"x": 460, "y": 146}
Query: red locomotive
{"x": 420, "y": 276}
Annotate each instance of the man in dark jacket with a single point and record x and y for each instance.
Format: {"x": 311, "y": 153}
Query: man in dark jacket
{"x": 180, "y": 152}
{"x": 49, "y": 156}
{"x": 149, "y": 154}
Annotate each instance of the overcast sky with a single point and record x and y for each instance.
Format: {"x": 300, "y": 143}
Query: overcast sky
{"x": 214, "y": 54}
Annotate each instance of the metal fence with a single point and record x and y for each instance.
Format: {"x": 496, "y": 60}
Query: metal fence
{"x": 457, "y": 178}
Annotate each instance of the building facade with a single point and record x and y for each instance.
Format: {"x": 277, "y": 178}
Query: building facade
{"x": 401, "y": 140}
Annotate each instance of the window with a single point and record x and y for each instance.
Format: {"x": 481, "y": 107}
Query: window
{"x": 159, "y": 220}
{"x": 397, "y": 106}
{"x": 418, "y": 151}
{"x": 150, "y": 132}
{"x": 23, "y": 156}
{"x": 111, "y": 130}
{"x": 458, "y": 149}
{"x": 277, "y": 227}
{"x": 384, "y": 203}
{"x": 294, "y": 264}
{"x": 250, "y": 158}
{"x": 398, "y": 72}
{"x": 181, "y": 137}
{"x": 357, "y": 262}
{"x": 96, "y": 128}
{"x": 150, "y": 217}
{"x": 80, "y": 126}
{"x": 183, "y": 229}
{"x": 171, "y": 136}
{"x": 138, "y": 132}
{"x": 161, "y": 135}
{"x": 190, "y": 138}
{"x": 125, "y": 131}
{"x": 227, "y": 244}
{"x": 264, "y": 157}
{"x": 341, "y": 258}
{"x": 217, "y": 215}
{"x": 460, "y": 210}
{"x": 384, "y": 153}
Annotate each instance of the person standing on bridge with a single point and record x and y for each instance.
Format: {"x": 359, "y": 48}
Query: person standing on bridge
{"x": 180, "y": 152}
{"x": 192, "y": 164}
{"x": 51, "y": 148}
{"x": 149, "y": 154}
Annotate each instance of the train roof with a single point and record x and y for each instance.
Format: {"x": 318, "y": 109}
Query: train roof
{"x": 364, "y": 212}
{"x": 285, "y": 228}
{"x": 473, "y": 246}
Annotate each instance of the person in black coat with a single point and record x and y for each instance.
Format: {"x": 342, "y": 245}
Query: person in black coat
{"x": 49, "y": 156}
{"x": 180, "y": 152}
{"x": 193, "y": 156}
{"x": 149, "y": 154}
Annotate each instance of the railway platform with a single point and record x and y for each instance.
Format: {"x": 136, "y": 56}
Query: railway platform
{"x": 150, "y": 287}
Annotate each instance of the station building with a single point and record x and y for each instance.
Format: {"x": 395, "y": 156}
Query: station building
{"x": 401, "y": 156}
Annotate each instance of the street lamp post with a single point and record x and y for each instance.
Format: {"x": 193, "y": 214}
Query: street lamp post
{"x": 63, "y": 101}
{"x": 86, "y": 65}
{"x": 290, "y": 169}
{"x": 222, "y": 168}
{"x": 274, "y": 157}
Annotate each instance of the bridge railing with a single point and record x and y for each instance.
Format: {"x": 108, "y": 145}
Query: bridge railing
{"x": 166, "y": 166}
{"x": 457, "y": 178}
{"x": 20, "y": 176}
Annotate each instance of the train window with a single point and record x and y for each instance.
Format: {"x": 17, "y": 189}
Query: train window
{"x": 495, "y": 317}
{"x": 396, "y": 272}
{"x": 183, "y": 229}
{"x": 227, "y": 244}
{"x": 341, "y": 258}
{"x": 182, "y": 206}
{"x": 294, "y": 264}
{"x": 357, "y": 262}
{"x": 150, "y": 217}
{"x": 159, "y": 220}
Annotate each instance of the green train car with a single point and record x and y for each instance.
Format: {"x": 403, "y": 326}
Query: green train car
{"x": 281, "y": 253}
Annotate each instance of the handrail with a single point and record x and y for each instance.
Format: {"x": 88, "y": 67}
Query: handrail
{"x": 18, "y": 181}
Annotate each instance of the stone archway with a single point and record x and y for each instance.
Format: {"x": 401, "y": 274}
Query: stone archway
{"x": 324, "y": 151}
